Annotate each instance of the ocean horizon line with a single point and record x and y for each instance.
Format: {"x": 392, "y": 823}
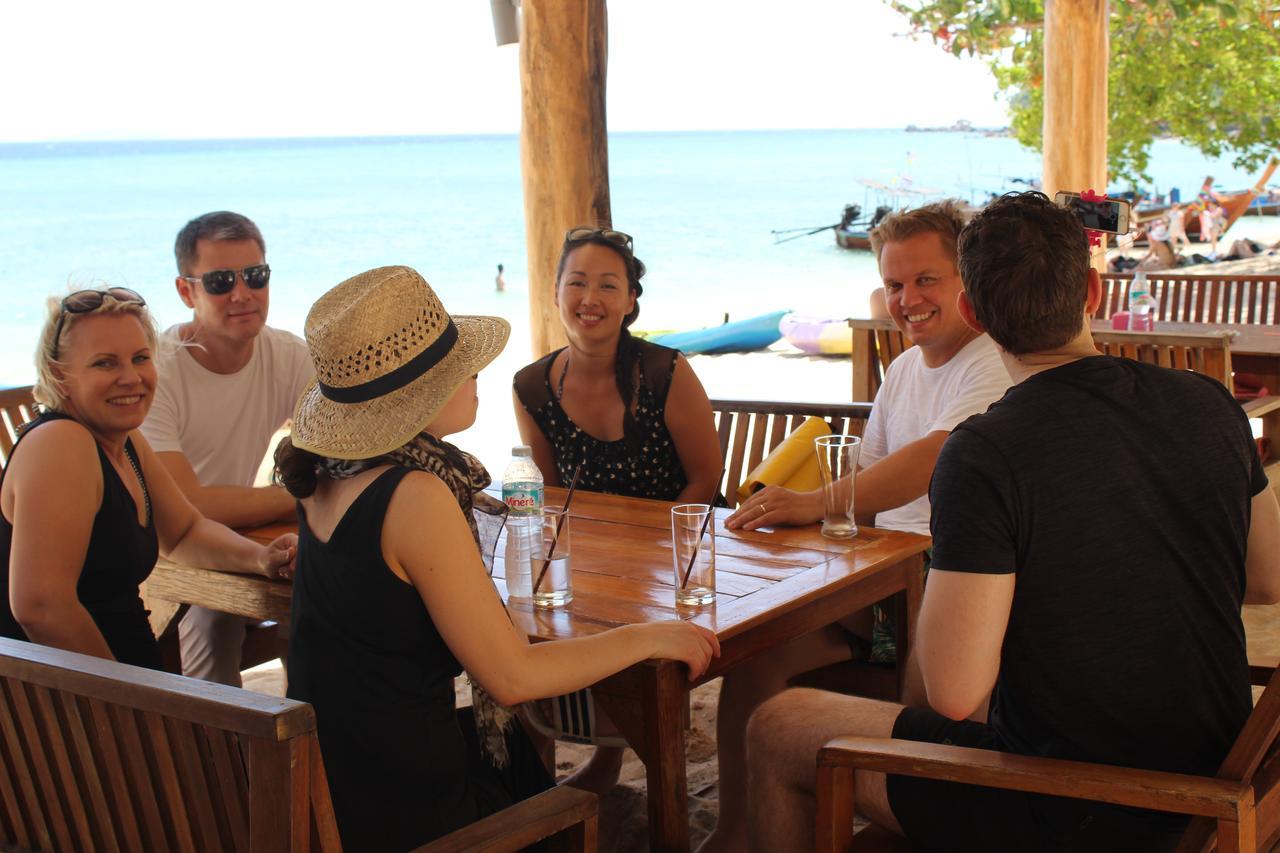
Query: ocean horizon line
{"x": 27, "y": 147}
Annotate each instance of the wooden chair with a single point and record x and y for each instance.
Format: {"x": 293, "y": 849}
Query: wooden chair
{"x": 17, "y": 407}
{"x": 876, "y": 343}
{"x": 98, "y": 755}
{"x": 1239, "y": 810}
{"x": 749, "y": 430}
{"x": 1199, "y": 298}
{"x": 1208, "y": 353}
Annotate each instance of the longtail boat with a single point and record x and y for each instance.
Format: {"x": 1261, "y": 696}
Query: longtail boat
{"x": 1233, "y": 204}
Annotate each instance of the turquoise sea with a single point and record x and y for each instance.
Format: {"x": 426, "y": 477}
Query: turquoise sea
{"x": 700, "y": 205}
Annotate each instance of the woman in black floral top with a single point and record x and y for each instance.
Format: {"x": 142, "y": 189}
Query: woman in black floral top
{"x": 631, "y": 412}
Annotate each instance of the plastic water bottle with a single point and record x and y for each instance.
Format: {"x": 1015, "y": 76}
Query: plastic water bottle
{"x": 522, "y": 492}
{"x": 1142, "y": 305}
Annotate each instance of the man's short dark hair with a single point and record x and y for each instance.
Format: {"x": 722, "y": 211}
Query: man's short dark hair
{"x": 1024, "y": 262}
{"x": 219, "y": 225}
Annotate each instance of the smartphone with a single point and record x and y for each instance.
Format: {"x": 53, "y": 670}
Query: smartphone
{"x": 1110, "y": 215}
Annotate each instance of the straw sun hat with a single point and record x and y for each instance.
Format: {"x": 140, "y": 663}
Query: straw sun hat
{"x": 388, "y": 357}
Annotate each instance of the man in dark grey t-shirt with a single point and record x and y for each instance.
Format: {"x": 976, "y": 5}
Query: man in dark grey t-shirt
{"x": 1095, "y": 534}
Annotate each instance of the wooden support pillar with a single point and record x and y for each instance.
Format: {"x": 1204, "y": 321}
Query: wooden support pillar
{"x": 1075, "y": 95}
{"x": 563, "y": 141}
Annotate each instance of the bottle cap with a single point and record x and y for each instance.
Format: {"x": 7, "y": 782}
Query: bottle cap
{"x": 522, "y": 450}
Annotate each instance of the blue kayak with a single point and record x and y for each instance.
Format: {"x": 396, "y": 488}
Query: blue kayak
{"x": 738, "y": 336}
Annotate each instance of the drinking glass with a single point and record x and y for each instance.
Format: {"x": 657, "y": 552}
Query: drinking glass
{"x": 693, "y": 553}
{"x": 838, "y": 462}
{"x": 552, "y": 580}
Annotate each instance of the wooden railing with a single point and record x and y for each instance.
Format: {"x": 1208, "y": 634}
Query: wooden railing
{"x": 1199, "y": 298}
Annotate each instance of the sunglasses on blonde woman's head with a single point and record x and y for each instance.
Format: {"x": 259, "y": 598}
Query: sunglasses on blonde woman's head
{"x": 617, "y": 237}
{"x": 84, "y": 301}
{"x": 221, "y": 282}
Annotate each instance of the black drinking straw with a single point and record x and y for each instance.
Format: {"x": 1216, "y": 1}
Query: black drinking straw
{"x": 564, "y": 513}
{"x": 694, "y": 556}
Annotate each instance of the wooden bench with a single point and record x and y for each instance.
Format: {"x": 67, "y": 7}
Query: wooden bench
{"x": 1184, "y": 298}
{"x": 876, "y": 343}
{"x": 1237, "y": 811}
{"x": 99, "y": 755}
{"x": 1207, "y": 353}
{"x": 749, "y": 430}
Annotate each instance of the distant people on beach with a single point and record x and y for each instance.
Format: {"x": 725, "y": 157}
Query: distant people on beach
{"x": 630, "y": 414}
{"x": 228, "y": 382}
{"x": 87, "y": 506}
{"x": 1160, "y": 254}
{"x": 499, "y": 282}
{"x": 951, "y": 373}
{"x": 1057, "y": 633}
{"x": 1209, "y": 228}
{"x": 1178, "y": 228}
{"x": 384, "y": 617}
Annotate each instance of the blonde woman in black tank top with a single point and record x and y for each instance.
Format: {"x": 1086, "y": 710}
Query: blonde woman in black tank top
{"x": 85, "y": 506}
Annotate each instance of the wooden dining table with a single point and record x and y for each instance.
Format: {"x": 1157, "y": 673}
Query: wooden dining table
{"x": 772, "y": 586}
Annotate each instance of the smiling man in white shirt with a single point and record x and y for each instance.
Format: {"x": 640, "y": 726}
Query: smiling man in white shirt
{"x": 228, "y": 381}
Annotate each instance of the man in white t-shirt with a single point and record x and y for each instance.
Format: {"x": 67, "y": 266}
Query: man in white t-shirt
{"x": 950, "y": 373}
{"x": 228, "y": 384}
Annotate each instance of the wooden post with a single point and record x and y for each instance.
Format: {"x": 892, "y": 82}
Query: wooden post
{"x": 1075, "y": 95}
{"x": 563, "y": 141}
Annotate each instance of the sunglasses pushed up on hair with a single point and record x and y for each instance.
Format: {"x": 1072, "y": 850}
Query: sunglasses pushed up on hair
{"x": 220, "y": 282}
{"x": 84, "y": 301}
{"x": 619, "y": 238}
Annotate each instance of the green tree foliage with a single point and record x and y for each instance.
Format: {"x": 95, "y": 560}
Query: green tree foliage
{"x": 1207, "y": 71}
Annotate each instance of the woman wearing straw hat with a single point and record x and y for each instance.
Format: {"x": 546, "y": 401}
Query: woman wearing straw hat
{"x": 392, "y": 598}
{"x": 630, "y": 416}
{"x": 87, "y": 506}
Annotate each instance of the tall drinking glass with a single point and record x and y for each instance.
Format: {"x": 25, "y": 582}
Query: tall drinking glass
{"x": 549, "y": 563}
{"x": 838, "y": 462}
{"x": 693, "y": 553}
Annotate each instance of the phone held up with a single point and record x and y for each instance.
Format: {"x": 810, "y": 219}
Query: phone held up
{"x": 1110, "y": 214}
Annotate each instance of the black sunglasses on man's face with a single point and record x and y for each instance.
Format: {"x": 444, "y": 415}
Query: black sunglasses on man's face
{"x": 220, "y": 282}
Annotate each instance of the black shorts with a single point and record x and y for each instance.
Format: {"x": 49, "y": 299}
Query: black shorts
{"x": 955, "y": 817}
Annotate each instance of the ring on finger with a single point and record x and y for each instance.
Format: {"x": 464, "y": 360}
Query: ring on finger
{"x": 762, "y": 509}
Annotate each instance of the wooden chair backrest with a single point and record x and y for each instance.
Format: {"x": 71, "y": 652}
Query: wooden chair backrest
{"x": 99, "y": 755}
{"x": 749, "y": 430}
{"x": 17, "y": 407}
{"x": 1208, "y": 353}
{"x": 876, "y": 343}
{"x": 1199, "y": 298}
{"x": 1254, "y": 759}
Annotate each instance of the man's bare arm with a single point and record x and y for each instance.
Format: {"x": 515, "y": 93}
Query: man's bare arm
{"x": 1262, "y": 559}
{"x": 900, "y": 477}
{"x": 891, "y": 482}
{"x": 962, "y": 624}
{"x": 234, "y": 506}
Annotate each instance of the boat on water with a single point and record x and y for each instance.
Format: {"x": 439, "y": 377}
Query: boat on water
{"x": 1268, "y": 205}
{"x": 853, "y": 232}
{"x": 817, "y": 335}
{"x": 739, "y": 336}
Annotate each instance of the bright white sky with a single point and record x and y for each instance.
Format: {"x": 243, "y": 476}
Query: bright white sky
{"x": 149, "y": 69}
